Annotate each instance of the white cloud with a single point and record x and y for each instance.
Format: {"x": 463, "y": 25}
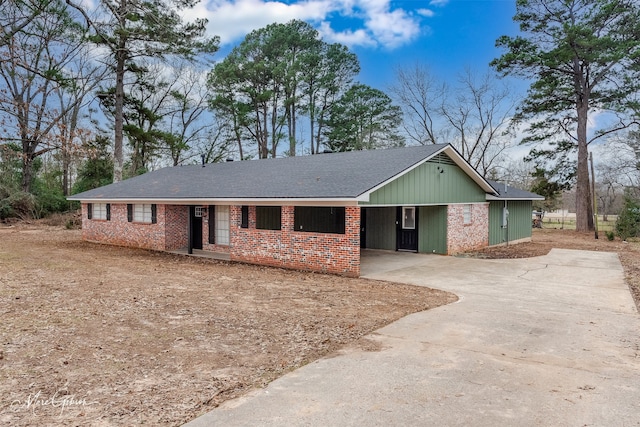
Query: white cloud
{"x": 438, "y": 2}
{"x": 346, "y": 37}
{"x": 368, "y": 22}
{"x": 426, "y": 12}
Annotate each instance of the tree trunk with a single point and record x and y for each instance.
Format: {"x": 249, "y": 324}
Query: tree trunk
{"x": 27, "y": 172}
{"x": 121, "y": 56}
{"x": 584, "y": 210}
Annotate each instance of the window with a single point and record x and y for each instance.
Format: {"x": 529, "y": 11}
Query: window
{"x": 199, "y": 211}
{"x": 143, "y": 213}
{"x": 466, "y": 214}
{"x": 268, "y": 217}
{"x": 409, "y": 218}
{"x": 319, "y": 219}
{"x": 244, "y": 217}
{"x": 100, "y": 211}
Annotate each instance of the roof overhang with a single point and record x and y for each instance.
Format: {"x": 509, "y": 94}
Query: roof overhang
{"x": 225, "y": 201}
{"x": 491, "y": 197}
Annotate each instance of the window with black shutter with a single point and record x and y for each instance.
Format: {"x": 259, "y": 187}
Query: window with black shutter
{"x": 89, "y": 210}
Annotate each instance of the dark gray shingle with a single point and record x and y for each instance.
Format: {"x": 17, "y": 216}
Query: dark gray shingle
{"x": 332, "y": 175}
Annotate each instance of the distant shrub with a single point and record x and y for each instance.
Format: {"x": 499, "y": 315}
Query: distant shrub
{"x": 628, "y": 223}
{"x": 16, "y": 204}
{"x": 610, "y": 235}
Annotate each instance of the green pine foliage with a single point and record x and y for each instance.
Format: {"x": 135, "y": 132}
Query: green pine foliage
{"x": 628, "y": 223}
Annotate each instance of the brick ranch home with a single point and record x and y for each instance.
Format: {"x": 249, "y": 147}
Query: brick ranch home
{"x": 313, "y": 212}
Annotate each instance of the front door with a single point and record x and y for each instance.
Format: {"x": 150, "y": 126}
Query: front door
{"x": 407, "y": 231}
{"x": 196, "y": 227}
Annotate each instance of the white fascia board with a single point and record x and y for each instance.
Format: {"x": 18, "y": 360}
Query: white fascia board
{"x": 491, "y": 197}
{"x": 469, "y": 170}
{"x": 248, "y": 201}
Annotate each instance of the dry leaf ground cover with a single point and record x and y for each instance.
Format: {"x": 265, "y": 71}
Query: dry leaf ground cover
{"x": 99, "y": 335}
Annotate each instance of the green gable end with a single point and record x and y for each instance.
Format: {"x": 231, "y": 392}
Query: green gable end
{"x": 437, "y": 181}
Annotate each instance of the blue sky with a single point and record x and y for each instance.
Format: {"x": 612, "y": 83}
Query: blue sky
{"x": 446, "y": 35}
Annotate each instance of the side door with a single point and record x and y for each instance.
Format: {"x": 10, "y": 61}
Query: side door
{"x": 407, "y": 228}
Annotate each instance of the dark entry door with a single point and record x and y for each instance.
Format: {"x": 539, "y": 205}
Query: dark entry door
{"x": 196, "y": 228}
{"x": 363, "y": 228}
{"x": 407, "y": 230}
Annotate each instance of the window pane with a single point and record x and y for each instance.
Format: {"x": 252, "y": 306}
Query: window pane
{"x": 319, "y": 219}
{"x": 466, "y": 214}
{"x": 142, "y": 213}
{"x": 409, "y": 218}
{"x": 268, "y": 217}
{"x": 100, "y": 211}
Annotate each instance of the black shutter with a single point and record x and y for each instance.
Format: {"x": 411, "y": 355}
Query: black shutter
{"x": 89, "y": 210}
{"x": 108, "y": 211}
{"x": 212, "y": 224}
{"x": 244, "y": 220}
{"x": 130, "y": 212}
{"x": 154, "y": 214}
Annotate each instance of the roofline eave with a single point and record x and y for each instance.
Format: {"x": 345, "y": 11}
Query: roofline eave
{"x": 491, "y": 197}
{"x": 253, "y": 201}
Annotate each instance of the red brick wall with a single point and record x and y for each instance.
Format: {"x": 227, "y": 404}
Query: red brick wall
{"x": 463, "y": 237}
{"x": 118, "y": 231}
{"x": 176, "y": 219}
{"x": 327, "y": 253}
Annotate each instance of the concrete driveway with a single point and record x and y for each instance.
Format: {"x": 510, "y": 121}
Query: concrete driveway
{"x": 547, "y": 341}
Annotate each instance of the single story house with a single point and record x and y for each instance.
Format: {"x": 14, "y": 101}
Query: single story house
{"x": 313, "y": 212}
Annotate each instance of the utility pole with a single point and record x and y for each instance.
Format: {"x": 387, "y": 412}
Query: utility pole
{"x": 593, "y": 196}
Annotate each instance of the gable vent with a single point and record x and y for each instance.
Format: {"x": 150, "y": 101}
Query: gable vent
{"x": 442, "y": 159}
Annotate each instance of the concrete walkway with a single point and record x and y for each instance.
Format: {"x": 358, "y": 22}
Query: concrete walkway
{"x": 547, "y": 341}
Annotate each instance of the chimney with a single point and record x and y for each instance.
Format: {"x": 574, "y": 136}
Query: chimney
{"x": 229, "y": 159}
{"x": 202, "y": 156}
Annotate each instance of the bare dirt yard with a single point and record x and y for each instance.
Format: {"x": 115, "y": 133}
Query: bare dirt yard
{"x": 99, "y": 335}
{"x": 108, "y": 336}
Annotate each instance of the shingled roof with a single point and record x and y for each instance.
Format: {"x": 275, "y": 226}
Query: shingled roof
{"x": 330, "y": 176}
{"x": 507, "y": 192}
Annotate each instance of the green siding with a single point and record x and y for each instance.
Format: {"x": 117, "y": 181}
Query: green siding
{"x": 426, "y": 185}
{"x": 381, "y": 228}
{"x": 519, "y": 221}
{"x": 432, "y": 229}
